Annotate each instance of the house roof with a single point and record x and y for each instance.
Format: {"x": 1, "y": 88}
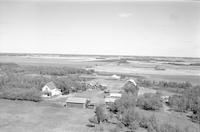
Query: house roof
{"x": 51, "y": 85}
{"x": 132, "y": 81}
{"x": 76, "y": 100}
{"x": 115, "y": 94}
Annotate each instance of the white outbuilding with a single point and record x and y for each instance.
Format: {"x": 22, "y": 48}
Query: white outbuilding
{"x": 109, "y": 100}
{"x": 115, "y": 77}
{"x": 115, "y": 95}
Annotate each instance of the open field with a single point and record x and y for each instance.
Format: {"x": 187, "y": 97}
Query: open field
{"x": 49, "y": 61}
{"x": 25, "y": 116}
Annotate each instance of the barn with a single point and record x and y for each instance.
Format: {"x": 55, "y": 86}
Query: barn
{"x": 77, "y": 102}
{"x": 50, "y": 90}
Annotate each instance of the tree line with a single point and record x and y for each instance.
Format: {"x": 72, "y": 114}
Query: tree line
{"x": 17, "y": 82}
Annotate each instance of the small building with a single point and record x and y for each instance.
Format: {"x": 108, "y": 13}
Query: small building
{"x": 165, "y": 98}
{"x": 115, "y": 95}
{"x": 109, "y": 100}
{"x": 115, "y": 77}
{"x": 77, "y": 102}
{"x": 143, "y": 90}
{"x": 50, "y": 90}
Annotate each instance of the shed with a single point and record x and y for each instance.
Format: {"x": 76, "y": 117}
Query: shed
{"x": 115, "y": 95}
{"x": 109, "y": 100}
{"x": 77, "y": 102}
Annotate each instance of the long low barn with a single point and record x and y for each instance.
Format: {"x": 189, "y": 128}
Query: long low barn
{"x": 77, "y": 102}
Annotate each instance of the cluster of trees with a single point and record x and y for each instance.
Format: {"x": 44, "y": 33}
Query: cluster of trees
{"x": 149, "y": 101}
{"x": 22, "y": 81}
{"x": 15, "y": 83}
{"x": 164, "y": 84}
{"x": 123, "y": 113}
{"x": 44, "y": 70}
{"x": 57, "y": 71}
{"x": 188, "y": 100}
{"x": 18, "y": 81}
{"x": 128, "y": 119}
{"x": 152, "y": 125}
{"x": 70, "y": 84}
{"x": 31, "y": 94}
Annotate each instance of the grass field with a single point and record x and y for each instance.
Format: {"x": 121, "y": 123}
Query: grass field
{"x": 25, "y": 116}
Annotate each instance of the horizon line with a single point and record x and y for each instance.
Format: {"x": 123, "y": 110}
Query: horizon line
{"x": 75, "y": 54}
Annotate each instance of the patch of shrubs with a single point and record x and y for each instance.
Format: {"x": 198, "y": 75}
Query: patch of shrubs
{"x": 21, "y": 94}
{"x": 188, "y": 100}
{"x": 152, "y": 125}
{"x": 149, "y": 101}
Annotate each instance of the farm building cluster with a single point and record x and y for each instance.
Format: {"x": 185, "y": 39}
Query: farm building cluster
{"x": 109, "y": 95}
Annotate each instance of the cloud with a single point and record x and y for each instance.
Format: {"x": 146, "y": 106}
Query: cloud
{"x": 125, "y": 15}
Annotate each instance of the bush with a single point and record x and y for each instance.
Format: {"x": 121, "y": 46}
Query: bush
{"x": 125, "y": 102}
{"x": 20, "y": 94}
{"x": 178, "y": 103}
{"x": 100, "y": 114}
{"x": 152, "y": 125}
{"x": 189, "y": 100}
{"x": 149, "y": 102}
{"x": 130, "y": 119}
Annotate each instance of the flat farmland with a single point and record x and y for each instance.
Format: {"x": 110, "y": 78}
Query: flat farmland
{"x": 38, "y": 61}
{"x": 25, "y": 116}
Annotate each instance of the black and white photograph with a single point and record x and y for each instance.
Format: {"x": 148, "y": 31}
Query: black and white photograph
{"x": 99, "y": 65}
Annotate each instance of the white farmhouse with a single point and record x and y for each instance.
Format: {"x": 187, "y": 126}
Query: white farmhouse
{"x": 50, "y": 90}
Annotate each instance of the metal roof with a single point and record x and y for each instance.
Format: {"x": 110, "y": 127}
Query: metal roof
{"x": 115, "y": 95}
{"x": 133, "y": 81}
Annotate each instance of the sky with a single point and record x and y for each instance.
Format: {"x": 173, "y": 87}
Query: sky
{"x": 115, "y": 27}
